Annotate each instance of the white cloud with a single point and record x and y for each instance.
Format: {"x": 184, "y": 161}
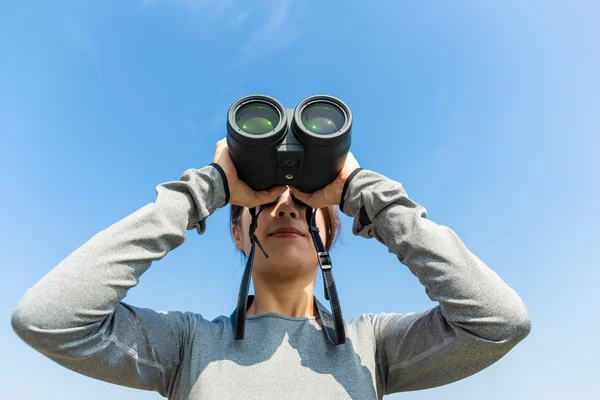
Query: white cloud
{"x": 212, "y": 8}
{"x": 240, "y": 18}
{"x": 277, "y": 32}
{"x": 149, "y": 3}
{"x": 81, "y": 38}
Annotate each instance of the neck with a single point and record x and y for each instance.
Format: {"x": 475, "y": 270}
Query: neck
{"x": 293, "y": 299}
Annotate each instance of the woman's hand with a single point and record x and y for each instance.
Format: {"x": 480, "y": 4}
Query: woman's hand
{"x": 240, "y": 193}
{"x": 330, "y": 195}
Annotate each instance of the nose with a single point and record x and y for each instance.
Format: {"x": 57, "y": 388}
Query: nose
{"x": 286, "y": 206}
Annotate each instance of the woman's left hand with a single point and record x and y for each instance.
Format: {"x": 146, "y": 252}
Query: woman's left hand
{"x": 330, "y": 195}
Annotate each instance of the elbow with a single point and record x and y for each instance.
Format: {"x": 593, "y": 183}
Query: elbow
{"x": 504, "y": 328}
{"x": 20, "y": 324}
{"x": 32, "y": 321}
{"x": 513, "y": 326}
{"x": 24, "y": 321}
{"x": 512, "y": 321}
{"x": 41, "y": 330}
{"x": 520, "y": 324}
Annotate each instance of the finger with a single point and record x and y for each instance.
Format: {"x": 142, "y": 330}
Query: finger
{"x": 314, "y": 200}
{"x": 268, "y": 196}
{"x": 351, "y": 162}
{"x": 318, "y": 198}
{"x": 219, "y": 149}
{"x": 303, "y": 197}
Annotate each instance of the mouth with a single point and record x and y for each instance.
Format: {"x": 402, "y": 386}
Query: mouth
{"x": 287, "y": 233}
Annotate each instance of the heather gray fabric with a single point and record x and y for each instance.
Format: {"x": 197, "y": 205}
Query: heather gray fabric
{"x": 75, "y": 315}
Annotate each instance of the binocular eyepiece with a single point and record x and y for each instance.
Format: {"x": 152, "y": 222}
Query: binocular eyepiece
{"x": 304, "y": 147}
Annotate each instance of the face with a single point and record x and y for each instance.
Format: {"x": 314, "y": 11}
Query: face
{"x": 283, "y": 233}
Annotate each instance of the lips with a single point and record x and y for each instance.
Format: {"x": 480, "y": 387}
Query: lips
{"x": 287, "y": 231}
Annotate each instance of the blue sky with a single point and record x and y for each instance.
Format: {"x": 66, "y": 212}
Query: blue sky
{"x": 487, "y": 112}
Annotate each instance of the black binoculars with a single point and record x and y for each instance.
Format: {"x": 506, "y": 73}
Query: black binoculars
{"x": 304, "y": 147}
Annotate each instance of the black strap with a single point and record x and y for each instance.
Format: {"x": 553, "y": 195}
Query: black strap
{"x": 328, "y": 282}
{"x": 242, "y": 305}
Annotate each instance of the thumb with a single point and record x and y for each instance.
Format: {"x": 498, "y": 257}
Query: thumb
{"x": 314, "y": 200}
{"x": 268, "y": 196}
{"x": 303, "y": 197}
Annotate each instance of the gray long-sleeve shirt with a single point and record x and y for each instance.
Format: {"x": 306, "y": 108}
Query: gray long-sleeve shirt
{"x": 75, "y": 314}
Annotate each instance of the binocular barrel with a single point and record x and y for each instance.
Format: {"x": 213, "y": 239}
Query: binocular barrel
{"x": 304, "y": 147}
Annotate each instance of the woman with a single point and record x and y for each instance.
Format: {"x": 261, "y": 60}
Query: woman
{"x": 75, "y": 316}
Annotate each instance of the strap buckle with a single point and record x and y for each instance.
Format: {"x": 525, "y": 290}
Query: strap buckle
{"x": 324, "y": 260}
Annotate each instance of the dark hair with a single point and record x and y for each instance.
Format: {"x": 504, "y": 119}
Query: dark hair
{"x": 330, "y": 215}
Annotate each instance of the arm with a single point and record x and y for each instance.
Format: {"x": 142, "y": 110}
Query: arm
{"x": 74, "y": 314}
{"x": 478, "y": 319}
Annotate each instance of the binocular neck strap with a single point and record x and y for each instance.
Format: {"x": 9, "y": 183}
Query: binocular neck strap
{"x": 242, "y": 304}
{"x": 333, "y": 329}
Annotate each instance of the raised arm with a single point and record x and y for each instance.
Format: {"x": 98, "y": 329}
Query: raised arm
{"x": 478, "y": 319}
{"x": 74, "y": 314}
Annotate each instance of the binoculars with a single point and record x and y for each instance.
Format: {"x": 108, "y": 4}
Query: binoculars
{"x": 304, "y": 147}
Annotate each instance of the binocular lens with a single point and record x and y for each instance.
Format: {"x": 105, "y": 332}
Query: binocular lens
{"x": 304, "y": 147}
{"x": 323, "y": 118}
{"x": 257, "y": 118}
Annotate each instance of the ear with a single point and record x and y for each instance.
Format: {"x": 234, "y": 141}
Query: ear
{"x": 236, "y": 232}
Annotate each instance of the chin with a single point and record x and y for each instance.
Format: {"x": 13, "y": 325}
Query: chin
{"x": 288, "y": 257}
{"x": 289, "y": 260}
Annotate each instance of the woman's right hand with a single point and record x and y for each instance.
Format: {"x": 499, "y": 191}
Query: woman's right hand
{"x": 240, "y": 193}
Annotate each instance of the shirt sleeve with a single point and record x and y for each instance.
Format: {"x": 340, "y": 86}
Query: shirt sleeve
{"x": 75, "y": 315}
{"x": 479, "y": 318}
